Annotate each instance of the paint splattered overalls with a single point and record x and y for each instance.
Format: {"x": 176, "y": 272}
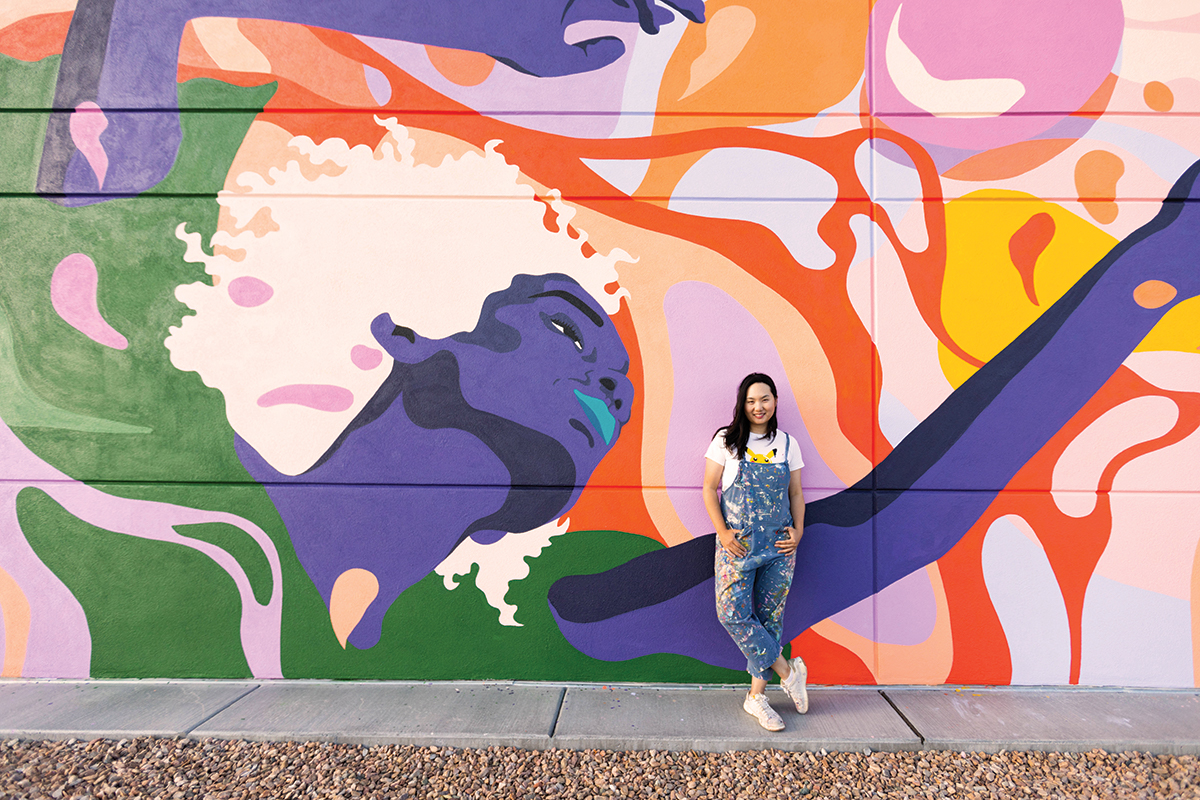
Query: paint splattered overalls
{"x": 751, "y": 590}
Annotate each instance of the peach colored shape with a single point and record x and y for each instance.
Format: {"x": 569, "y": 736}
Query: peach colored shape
{"x": 87, "y": 123}
{"x": 353, "y": 591}
{"x": 1056, "y": 178}
{"x": 726, "y": 35}
{"x": 16, "y": 10}
{"x": 460, "y": 67}
{"x": 15, "y": 608}
{"x": 1096, "y": 176}
{"x": 73, "y": 294}
{"x": 1154, "y": 294}
{"x": 926, "y": 663}
{"x": 1076, "y": 475}
{"x": 1158, "y": 96}
{"x": 228, "y": 47}
{"x": 296, "y": 53}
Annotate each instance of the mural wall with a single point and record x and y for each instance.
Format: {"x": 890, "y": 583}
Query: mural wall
{"x": 384, "y": 340}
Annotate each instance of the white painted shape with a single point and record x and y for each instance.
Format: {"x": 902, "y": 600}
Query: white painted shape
{"x": 1149, "y": 55}
{"x": 1172, "y": 370}
{"x": 1153, "y": 537}
{"x": 859, "y": 277}
{"x": 500, "y": 563}
{"x": 1134, "y": 637}
{"x": 1159, "y": 10}
{"x": 1029, "y": 603}
{"x": 426, "y": 244}
{"x": 757, "y": 184}
{"x": 647, "y": 63}
{"x": 1076, "y": 476}
{"x": 957, "y": 98}
{"x": 908, "y": 350}
{"x": 895, "y": 420}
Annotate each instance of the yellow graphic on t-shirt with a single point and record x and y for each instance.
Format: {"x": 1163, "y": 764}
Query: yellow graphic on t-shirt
{"x": 757, "y": 459}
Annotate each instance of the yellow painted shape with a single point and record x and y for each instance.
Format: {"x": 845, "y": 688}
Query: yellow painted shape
{"x": 1179, "y": 329}
{"x": 15, "y": 608}
{"x": 353, "y": 591}
{"x": 984, "y": 304}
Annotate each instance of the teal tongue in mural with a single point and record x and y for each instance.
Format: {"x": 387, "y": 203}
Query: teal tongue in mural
{"x": 597, "y": 411}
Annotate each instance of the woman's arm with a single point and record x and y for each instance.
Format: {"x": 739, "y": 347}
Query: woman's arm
{"x": 712, "y": 504}
{"x": 796, "y": 498}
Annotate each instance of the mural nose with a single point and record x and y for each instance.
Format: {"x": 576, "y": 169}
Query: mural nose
{"x": 619, "y": 392}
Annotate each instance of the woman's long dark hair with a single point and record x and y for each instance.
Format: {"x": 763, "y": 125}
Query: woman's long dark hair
{"x": 737, "y": 433}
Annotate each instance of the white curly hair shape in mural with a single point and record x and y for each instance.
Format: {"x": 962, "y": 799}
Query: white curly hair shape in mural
{"x": 308, "y": 255}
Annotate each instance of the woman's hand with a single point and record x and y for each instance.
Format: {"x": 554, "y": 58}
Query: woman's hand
{"x": 788, "y": 546}
{"x": 728, "y": 539}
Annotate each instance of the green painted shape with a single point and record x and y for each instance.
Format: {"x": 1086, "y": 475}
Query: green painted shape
{"x": 25, "y": 86}
{"x": 206, "y": 94}
{"x": 154, "y": 609}
{"x": 20, "y": 406}
{"x": 140, "y": 262}
{"x": 597, "y": 411}
{"x": 28, "y": 84}
{"x": 239, "y": 544}
{"x": 431, "y": 633}
{"x": 195, "y": 168}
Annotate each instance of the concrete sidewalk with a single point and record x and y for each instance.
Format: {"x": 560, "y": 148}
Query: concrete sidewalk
{"x": 619, "y": 717}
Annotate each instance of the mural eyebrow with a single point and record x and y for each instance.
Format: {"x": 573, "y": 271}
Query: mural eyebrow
{"x": 573, "y": 300}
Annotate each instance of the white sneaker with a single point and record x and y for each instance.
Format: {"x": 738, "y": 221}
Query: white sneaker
{"x": 757, "y": 706}
{"x": 796, "y": 685}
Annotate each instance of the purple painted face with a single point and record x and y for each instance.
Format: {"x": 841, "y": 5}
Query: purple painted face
{"x": 546, "y": 356}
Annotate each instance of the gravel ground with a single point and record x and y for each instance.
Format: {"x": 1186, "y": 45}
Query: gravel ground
{"x": 183, "y": 768}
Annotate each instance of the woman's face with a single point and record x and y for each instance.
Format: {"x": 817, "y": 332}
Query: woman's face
{"x": 760, "y": 406}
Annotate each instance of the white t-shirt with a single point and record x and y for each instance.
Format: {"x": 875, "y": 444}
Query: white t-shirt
{"x": 758, "y": 448}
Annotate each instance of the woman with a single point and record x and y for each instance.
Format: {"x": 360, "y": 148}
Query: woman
{"x": 752, "y": 493}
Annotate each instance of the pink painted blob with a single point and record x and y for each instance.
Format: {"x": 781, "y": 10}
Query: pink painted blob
{"x": 365, "y": 358}
{"x": 73, "y": 295}
{"x": 319, "y": 396}
{"x": 249, "y": 292}
{"x": 87, "y": 123}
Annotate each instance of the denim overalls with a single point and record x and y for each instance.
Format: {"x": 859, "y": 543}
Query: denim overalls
{"x": 751, "y": 590}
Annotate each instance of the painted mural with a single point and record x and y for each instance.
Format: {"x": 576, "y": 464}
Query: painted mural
{"x": 384, "y": 340}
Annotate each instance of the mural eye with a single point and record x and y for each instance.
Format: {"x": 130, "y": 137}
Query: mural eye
{"x": 567, "y": 328}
